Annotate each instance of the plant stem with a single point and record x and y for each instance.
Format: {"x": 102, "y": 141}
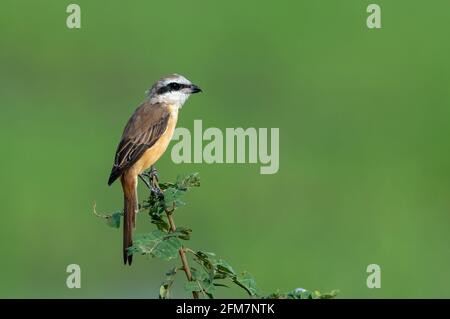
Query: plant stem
{"x": 173, "y": 228}
{"x": 184, "y": 261}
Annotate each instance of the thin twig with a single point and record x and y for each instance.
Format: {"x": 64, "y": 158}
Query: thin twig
{"x": 94, "y": 210}
{"x": 173, "y": 228}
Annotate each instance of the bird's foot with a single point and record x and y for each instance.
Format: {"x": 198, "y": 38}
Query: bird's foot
{"x": 156, "y": 191}
{"x": 151, "y": 180}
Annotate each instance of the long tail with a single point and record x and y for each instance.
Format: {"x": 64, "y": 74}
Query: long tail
{"x": 130, "y": 208}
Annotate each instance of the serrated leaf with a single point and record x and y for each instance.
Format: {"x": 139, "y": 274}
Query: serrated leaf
{"x": 157, "y": 244}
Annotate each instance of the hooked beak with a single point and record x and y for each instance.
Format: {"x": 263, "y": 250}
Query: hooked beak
{"x": 195, "y": 89}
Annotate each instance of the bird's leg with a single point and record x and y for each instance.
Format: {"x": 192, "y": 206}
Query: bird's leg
{"x": 154, "y": 182}
{"x": 142, "y": 176}
{"x": 153, "y": 173}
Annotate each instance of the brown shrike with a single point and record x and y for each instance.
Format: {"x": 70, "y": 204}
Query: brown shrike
{"x": 144, "y": 140}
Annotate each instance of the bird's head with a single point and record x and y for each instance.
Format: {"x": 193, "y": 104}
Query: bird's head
{"x": 172, "y": 89}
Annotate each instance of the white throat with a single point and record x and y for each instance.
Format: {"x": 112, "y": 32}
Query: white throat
{"x": 175, "y": 99}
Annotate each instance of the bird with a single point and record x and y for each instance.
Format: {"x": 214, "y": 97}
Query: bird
{"x": 144, "y": 140}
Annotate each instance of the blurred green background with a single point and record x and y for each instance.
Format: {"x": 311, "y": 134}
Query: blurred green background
{"x": 364, "y": 154}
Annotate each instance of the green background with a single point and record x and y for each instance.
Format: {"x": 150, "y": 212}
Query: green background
{"x": 364, "y": 154}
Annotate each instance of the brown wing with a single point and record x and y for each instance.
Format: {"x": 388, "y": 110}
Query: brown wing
{"x": 143, "y": 129}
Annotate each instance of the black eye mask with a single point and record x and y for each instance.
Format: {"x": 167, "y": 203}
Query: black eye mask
{"x": 173, "y": 86}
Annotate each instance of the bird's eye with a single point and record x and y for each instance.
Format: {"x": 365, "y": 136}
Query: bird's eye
{"x": 174, "y": 86}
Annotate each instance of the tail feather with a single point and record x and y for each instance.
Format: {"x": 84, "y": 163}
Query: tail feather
{"x": 130, "y": 207}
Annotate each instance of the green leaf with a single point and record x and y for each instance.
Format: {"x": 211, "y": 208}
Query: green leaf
{"x": 209, "y": 288}
{"x": 164, "y": 289}
{"x": 191, "y": 286}
{"x": 329, "y": 295}
{"x": 185, "y": 182}
{"x": 246, "y": 281}
{"x": 200, "y": 286}
{"x": 203, "y": 281}
{"x": 199, "y": 274}
{"x": 223, "y": 267}
{"x": 300, "y": 293}
{"x": 154, "y": 205}
{"x": 205, "y": 255}
{"x": 306, "y": 295}
{"x": 163, "y": 243}
{"x": 157, "y": 244}
{"x": 183, "y": 233}
{"x": 205, "y": 260}
{"x": 160, "y": 222}
{"x": 172, "y": 192}
{"x": 172, "y": 198}
{"x": 113, "y": 220}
